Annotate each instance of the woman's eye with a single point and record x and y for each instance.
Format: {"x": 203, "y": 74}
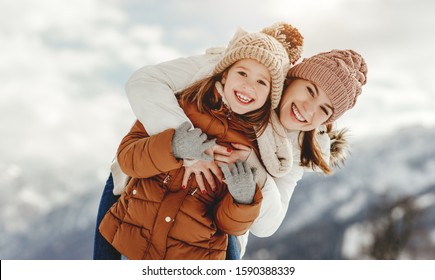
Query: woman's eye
{"x": 325, "y": 111}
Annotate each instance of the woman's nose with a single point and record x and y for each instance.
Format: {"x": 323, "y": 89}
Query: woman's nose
{"x": 309, "y": 107}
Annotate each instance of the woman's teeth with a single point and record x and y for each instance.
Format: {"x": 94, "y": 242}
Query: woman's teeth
{"x": 297, "y": 114}
{"x": 243, "y": 98}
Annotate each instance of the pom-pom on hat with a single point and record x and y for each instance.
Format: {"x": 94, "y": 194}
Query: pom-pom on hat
{"x": 276, "y": 47}
{"x": 340, "y": 73}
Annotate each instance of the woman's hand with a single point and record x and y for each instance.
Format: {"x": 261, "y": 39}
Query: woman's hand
{"x": 203, "y": 169}
{"x": 230, "y": 156}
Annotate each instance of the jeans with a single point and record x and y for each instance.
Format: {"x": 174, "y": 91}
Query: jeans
{"x": 233, "y": 252}
{"x": 104, "y": 251}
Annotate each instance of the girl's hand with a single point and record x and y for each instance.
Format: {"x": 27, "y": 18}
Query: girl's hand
{"x": 230, "y": 156}
{"x": 203, "y": 169}
{"x": 240, "y": 179}
{"x": 190, "y": 143}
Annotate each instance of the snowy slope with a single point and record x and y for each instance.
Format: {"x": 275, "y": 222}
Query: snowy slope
{"x": 336, "y": 217}
{"x": 48, "y": 212}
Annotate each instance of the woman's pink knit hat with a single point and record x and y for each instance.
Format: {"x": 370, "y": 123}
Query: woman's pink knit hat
{"x": 340, "y": 73}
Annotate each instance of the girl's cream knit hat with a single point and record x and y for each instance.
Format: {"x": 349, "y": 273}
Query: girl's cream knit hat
{"x": 276, "y": 47}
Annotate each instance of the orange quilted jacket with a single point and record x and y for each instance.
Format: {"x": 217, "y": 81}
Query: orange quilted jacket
{"x": 155, "y": 218}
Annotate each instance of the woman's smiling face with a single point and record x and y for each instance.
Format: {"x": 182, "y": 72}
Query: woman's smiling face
{"x": 247, "y": 86}
{"x": 304, "y": 106}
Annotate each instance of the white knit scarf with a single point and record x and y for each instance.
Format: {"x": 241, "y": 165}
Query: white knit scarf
{"x": 275, "y": 149}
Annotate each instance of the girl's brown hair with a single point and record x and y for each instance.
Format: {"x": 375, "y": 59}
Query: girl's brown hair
{"x": 202, "y": 93}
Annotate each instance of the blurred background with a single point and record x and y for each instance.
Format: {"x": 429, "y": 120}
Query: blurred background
{"x": 63, "y": 111}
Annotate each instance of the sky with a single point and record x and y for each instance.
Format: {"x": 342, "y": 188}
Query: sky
{"x": 64, "y": 64}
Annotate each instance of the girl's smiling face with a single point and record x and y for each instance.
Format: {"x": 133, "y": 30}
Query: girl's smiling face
{"x": 304, "y": 106}
{"x": 247, "y": 86}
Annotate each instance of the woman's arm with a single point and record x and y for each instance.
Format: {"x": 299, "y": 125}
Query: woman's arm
{"x": 277, "y": 193}
{"x": 150, "y": 90}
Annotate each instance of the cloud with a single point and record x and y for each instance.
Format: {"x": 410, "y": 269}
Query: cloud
{"x": 64, "y": 64}
{"x": 60, "y": 98}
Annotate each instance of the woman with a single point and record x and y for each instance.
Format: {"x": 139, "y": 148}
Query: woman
{"x": 292, "y": 113}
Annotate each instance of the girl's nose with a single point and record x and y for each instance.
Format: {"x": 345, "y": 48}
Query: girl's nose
{"x": 248, "y": 87}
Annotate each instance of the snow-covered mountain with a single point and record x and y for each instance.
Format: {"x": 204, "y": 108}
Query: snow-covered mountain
{"x": 381, "y": 204}
{"x": 383, "y": 198}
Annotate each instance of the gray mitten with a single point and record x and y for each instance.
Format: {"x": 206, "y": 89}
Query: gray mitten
{"x": 191, "y": 144}
{"x": 240, "y": 181}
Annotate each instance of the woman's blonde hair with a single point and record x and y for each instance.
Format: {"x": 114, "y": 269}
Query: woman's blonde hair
{"x": 202, "y": 93}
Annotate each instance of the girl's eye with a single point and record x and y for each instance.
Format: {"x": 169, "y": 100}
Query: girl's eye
{"x": 310, "y": 91}
{"x": 241, "y": 73}
{"x": 261, "y": 82}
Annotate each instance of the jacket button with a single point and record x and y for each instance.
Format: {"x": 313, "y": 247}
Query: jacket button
{"x": 167, "y": 219}
{"x": 167, "y": 179}
{"x": 134, "y": 192}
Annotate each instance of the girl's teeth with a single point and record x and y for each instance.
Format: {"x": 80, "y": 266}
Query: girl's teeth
{"x": 297, "y": 114}
{"x": 243, "y": 98}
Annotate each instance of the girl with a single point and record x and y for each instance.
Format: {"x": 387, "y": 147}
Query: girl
{"x": 158, "y": 217}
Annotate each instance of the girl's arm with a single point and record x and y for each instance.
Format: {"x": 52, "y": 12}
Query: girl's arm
{"x": 235, "y": 218}
{"x": 150, "y": 90}
{"x": 143, "y": 156}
